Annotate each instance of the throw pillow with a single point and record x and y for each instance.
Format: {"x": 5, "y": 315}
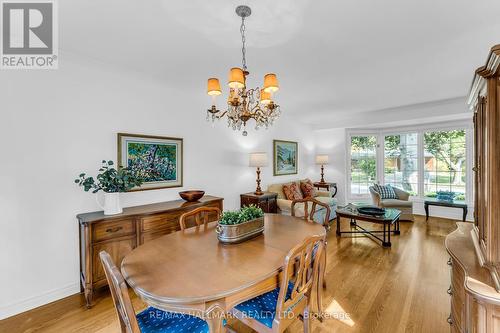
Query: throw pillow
{"x": 307, "y": 188}
{"x": 292, "y": 191}
{"x": 385, "y": 191}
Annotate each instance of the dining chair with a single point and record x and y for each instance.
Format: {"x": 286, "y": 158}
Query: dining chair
{"x": 198, "y": 214}
{"x": 274, "y": 311}
{"x": 309, "y": 217}
{"x": 150, "y": 320}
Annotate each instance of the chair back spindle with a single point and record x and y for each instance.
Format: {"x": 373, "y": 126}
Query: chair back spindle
{"x": 201, "y": 216}
{"x": 119, "y": 294}
{"x": 302, "y": 264}
{"x": 309, "y": 215}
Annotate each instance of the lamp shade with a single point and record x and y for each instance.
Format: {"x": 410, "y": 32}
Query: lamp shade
{"x": 265, "y": 97}
{"x": 258, "y": 160}
{"x": 213, "y": 87}
{"x": 236, "y": 78}
{"x": 271, "y": 83}
{"x": 322, "y": 159}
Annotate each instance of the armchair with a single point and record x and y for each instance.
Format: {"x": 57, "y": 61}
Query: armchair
{"x": 402, "y": 203}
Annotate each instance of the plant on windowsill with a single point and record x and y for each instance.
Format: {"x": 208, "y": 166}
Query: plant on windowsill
{"x": 236, "y": 227}
{"x": 112, "y": 182}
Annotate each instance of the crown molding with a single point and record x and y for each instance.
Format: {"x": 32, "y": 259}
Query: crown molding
{"x": 490, "y": 69}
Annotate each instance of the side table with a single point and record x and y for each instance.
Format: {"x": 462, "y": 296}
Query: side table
{"x": 266, "y": 201}
{"x": 326, "y": 186}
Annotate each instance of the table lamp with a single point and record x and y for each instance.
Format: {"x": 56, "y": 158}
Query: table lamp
{"x": 258, "y": 160}
{"x": 322, "y": 160}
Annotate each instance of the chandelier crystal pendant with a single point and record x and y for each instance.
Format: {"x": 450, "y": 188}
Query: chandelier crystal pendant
{"x": 244, "y": 104}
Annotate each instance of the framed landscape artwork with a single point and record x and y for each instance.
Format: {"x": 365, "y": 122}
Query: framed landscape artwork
{"x": 157, "y": 159}
{"x": 285, "y": 157}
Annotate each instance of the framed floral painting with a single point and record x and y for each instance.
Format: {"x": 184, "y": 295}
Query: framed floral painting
{"x": 285, "y": 157}
{"x": 157, "y": 159}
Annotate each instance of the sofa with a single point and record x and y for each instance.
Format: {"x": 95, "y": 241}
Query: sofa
{"x": 402, "y": 203}
{"x": 285, "y": 205}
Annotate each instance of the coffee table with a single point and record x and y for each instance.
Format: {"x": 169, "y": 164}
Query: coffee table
{"x": 390, "y": 218}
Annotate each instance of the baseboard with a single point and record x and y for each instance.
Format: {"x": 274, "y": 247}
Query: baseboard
{"x": 39, "y": 300}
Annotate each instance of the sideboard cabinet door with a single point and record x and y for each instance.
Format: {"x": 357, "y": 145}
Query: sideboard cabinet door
{"x": 117, "y": 249}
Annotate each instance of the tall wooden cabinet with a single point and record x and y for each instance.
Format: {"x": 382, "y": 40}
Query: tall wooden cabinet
{"x": 475, "y": 248}
{"x": 120, "y": 234}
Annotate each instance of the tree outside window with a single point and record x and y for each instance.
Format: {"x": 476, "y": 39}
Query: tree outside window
{"x": 401, "y": 161}
{"x": 445, "y": 162}
{"x": 363, "y": 163}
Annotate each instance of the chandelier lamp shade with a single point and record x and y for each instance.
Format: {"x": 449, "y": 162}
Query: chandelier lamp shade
{"x": 243, "y": 103}
{"x": 322, "y": 160}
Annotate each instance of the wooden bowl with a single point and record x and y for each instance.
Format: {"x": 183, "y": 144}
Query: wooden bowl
{"x": 192, "y": 196}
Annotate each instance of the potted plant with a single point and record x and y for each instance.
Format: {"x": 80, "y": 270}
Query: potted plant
{"x": 111, "y": 181}
{"x": 238, "y": 226}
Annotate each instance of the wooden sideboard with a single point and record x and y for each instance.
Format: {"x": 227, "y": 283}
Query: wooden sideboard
{"x": 120, "y": 234}
{"x": 475, "y": 248}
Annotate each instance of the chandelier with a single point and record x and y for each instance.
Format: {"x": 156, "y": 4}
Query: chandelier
{"x": 244, "y": 104}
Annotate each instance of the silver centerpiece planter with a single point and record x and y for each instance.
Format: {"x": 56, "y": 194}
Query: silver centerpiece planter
{"x": 237, "y": 233}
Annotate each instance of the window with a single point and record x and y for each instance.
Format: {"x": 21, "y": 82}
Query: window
{"x": 445, "y": 162}
{"x": 421, "y": 161}
{"x": 363, "y": 163}
{"x": 401, "y": 161}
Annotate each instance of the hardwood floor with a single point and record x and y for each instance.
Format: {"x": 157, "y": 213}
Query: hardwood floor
{"x": 370, "y": 289}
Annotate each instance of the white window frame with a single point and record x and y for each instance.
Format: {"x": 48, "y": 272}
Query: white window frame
{"x": 380, "y": 134}
{"x": 420, "y": 154}
{"x": 350, "y": 134}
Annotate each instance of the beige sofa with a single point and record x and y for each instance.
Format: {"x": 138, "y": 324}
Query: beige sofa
{"x": 285, "y": 205}
{"x": 402, "y": 203}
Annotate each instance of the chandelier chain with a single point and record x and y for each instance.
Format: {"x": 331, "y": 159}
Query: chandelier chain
{"x": 243, "y": 41}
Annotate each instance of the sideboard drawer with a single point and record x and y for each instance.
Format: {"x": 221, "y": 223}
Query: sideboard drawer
{"x": 112, "y": 229}
{"x": 149, "y": 236}
{"x": 160, "y": 221}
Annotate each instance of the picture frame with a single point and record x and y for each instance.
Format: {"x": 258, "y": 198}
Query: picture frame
{"x": 285, "y": 157}
{"x": 159, "y": 159}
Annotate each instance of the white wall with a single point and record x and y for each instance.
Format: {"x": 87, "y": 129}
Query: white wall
{"x": 332, "y": 143}
{"x": 56, "y": 124}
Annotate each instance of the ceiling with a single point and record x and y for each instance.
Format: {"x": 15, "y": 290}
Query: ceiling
{"x": 333, "y": 58}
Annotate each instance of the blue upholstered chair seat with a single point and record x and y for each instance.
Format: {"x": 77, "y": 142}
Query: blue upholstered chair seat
{"x": 263, "y": 307}
{"x": 153, "y": 320}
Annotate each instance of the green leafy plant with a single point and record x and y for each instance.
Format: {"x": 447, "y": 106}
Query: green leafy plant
{"x": 245, "y": 214}
{"x": 109, "y": 180}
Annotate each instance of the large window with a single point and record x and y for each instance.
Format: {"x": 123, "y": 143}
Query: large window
{"x": 419, "y": 161}
{"x": 445, "y": 164}
{"x": 363, "y": 163}
{"x": 401, "y": 161}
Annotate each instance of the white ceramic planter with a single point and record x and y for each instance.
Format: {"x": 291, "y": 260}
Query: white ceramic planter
{"x": 112, "y": 204}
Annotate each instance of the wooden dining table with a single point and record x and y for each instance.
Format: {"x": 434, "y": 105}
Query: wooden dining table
{"x": 191, "y": 272}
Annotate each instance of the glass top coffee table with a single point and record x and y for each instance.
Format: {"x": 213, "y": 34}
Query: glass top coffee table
{"x": 390, "y": 218}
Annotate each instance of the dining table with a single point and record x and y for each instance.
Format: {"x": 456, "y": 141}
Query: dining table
{"x": 191, "y": 272}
